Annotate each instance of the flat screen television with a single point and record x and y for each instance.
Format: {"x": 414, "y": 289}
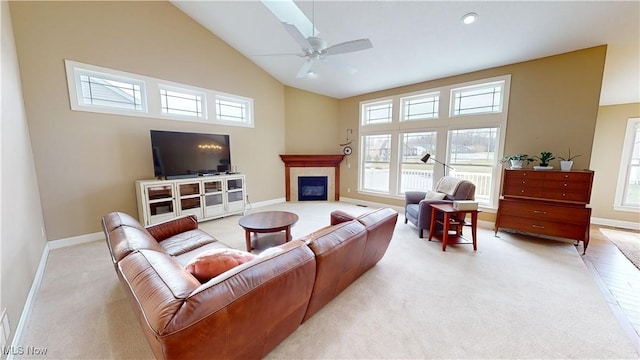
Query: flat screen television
{"x": 183, "y": 154}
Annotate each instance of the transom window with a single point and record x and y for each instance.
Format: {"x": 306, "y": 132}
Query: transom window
{"x": 97, "y": 89}
{"x": 477, "y": 99}
{"x": 228, "y": 109}
{"x": 106, "y": 91}
{"x": 377, "y": 113}
{"x": 418, "y": 107}
{"x": 180, "y": 102}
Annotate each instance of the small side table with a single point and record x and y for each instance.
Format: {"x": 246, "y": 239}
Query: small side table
{"x": 449, "y": 212}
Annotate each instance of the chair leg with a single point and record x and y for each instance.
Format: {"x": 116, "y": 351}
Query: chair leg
{"x": 405, "y": 220}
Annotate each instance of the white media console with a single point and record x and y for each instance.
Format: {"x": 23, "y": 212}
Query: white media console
{"x": 206, "y": 197}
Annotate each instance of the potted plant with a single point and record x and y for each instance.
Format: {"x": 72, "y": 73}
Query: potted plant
{"x": 544, "y": 159}
{"x": 567, "y": 163}
{"x": 517, "y": 160}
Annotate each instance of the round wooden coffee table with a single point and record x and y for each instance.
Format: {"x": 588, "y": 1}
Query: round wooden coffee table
{"x": 267, "y": 222}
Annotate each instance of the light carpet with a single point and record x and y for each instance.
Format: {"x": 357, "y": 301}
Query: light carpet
{"x": 516, "y": 297}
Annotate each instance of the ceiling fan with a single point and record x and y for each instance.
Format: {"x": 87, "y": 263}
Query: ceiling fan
{"x": 313, "y": 48}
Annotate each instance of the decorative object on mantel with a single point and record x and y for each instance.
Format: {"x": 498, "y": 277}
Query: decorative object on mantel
{"x": 567, "y": 163}
{"x": 544, "y": 159}
{"x": 516, "y": 160}
{"x": 346, "y": 147}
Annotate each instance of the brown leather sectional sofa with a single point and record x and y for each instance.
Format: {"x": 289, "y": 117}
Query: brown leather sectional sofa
{"x": 247, "y": 311}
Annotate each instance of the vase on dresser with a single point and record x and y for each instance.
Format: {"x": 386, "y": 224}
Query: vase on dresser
{"x": 566, "y": 165}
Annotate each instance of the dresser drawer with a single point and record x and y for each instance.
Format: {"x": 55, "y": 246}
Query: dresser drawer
{"x": 545, "y": 212}
{"x": 515, "y": 188}
{"x": 566, "y": 195}
{"x": 544, "y": 227}
{"x": 585, "y": 177}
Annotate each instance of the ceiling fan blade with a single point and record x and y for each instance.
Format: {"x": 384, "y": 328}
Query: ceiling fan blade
{"x": 349, "y": 46}
{"x": 298, "y": 37}
{"x": 304, "y": 69}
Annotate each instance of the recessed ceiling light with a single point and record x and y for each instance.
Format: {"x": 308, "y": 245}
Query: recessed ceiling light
{"x": 312, "y": 74}
{"x": 469, "y": 18}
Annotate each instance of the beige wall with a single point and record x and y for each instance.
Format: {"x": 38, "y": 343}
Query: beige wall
{"x": 311, "y": 123}
{"x": 607, "y": 150}
{"x": 553, "y": 106}
{"x": 21, "y": 240}
{"x": 87, "y": 162}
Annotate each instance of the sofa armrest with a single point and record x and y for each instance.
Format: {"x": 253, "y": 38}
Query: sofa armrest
{"x": 169, "y": 228}
{"x": 414, "y": 197}
{"x": 340, "y": 216}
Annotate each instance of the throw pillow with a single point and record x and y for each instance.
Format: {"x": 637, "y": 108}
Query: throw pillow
{"x": 434, "y": 195}
{"x": 212, "y": 263}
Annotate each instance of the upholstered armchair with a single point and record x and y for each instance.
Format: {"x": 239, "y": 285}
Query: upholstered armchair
{"x": 417, "y": 208}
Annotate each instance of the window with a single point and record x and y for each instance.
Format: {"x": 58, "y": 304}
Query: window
{"x": 108, "y": 91}
{"x": 420, "y": 107}
{"x": 627, "y": 196}
{"x": 230, "y": 109}
{"x": 377, "y": 113}
{"x": 97, "y": 89}
{"x": 477, "y": 99}
{"x": 394, "y": 142}
{"x": 376, "y": 150}
{"x": 181, "y": 102}
{"x": 414, "y": 174}
{"x": 473, "y": 156}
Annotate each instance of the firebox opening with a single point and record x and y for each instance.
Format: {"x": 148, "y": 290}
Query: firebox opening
{"x": 312, "y": 188}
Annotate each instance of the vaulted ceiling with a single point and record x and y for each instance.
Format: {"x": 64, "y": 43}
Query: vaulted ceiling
{"x": 415, "y": 41}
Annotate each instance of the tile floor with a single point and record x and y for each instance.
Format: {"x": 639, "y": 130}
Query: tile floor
{"x": 619, "y": 281}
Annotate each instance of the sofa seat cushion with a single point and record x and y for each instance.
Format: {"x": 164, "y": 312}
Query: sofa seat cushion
{"x": 186, "y": 241}
{"x": 211, "y": 263}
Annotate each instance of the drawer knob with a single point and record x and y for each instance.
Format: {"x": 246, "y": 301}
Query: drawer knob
{"x": 565, "y": 185}
{"x": 564, "y": 195}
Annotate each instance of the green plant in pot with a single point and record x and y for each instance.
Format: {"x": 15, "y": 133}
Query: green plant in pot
{"x": 544, "y": 159}
{"x": 516, "y": 160}
{"x": 567, "y": 163}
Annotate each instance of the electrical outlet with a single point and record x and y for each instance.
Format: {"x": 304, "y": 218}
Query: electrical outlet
{"x": 348, "y": 189}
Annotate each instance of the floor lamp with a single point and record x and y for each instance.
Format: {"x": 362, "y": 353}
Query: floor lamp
{"x": 444, "y": 166}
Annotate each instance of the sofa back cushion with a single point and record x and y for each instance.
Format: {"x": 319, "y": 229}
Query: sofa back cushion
{"x": 338, "y": 250}
{"x": 124, "y": 235}
{"x": 380, "y": 225}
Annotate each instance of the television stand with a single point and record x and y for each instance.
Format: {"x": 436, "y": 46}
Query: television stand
{"x": 207, "y": 197}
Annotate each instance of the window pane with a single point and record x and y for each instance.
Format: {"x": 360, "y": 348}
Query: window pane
{"x": 632, "y": 185}
{"x": 377, "y": 113}
{"x": 486, "y": 98}
{"x": 229, "y": 110}
{"x": 414, "y": 174}
{"x": 100, "y": 91}
{"x": 473, "y": 155}
{"x": 420, "y": 107}
{"x": 179, "y": 103}
{"x": 376, "y": 154}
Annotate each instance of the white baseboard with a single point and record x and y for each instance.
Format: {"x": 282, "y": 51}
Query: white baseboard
{"x": 28, "y": 305}
{"x": 266, "y": 203}
{"x": 75, "y": 240}
{"x": 616, "y": 223}
{"x": 399, "y": 209}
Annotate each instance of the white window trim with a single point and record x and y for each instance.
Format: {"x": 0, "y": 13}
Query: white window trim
{"x": 627, "y": 148}
{"x": 151, "y": 95}
{"x": 184, "y": 90}
{"x": 442, "y": 124}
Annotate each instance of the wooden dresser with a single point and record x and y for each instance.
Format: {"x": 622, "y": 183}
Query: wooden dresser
{"x": 546, "y": 202}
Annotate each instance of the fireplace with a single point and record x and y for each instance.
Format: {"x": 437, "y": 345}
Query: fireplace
{"x": 312, "y": 165}
{"x": 312, "y": 188}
